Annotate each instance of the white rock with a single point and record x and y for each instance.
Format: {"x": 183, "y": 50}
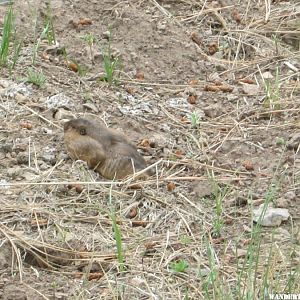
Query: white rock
{"x": 3, "y": 184}
{"x": 271, "y": 216}
{"x": 18, "y": 88}
{"x": 46, "y": 130}
{"x": 250, "y": 89}
{"x": 59, "y": 100}
{"x": 91, "y": 106}
{"x": 267, "y": 75}
{"x": 62, "y": 113}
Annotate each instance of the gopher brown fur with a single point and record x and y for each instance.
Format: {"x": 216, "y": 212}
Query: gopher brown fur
{"x": 105, "y": 150}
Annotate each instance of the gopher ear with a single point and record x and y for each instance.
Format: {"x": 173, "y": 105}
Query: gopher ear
{"x": 82, "y": 131}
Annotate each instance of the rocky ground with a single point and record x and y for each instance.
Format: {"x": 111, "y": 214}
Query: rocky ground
{"x": 209, "y": 93}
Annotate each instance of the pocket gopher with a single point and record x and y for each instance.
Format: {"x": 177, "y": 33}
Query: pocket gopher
{"x": 105, "y": 150}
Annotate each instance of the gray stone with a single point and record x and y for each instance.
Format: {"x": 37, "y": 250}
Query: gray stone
{"x": 59, "y": 100}
{"x": 22, "y": 158}
{"x": 62, "y": 114}
{"x": 91, "y": 106}
{"x": 13, "y": 172}
{"x": 49, "y": 155}
{"x": 271, "y": 217}
{"x": 294, "y": 141}
{"x": 6, "y": 148}
{"x": 290, "y": 195}
{"x": 46, "y": 130}
{"x": 250, "y": 89}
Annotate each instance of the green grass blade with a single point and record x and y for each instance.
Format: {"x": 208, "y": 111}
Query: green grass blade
{"x": 118, "y": 239}
{"x": 6, "y": 36}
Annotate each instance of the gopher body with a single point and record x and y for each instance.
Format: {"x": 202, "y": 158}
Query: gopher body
{"x": 105, "y": 150}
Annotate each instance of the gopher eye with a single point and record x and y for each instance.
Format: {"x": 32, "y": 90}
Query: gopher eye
{"x": 82, "y": 131}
